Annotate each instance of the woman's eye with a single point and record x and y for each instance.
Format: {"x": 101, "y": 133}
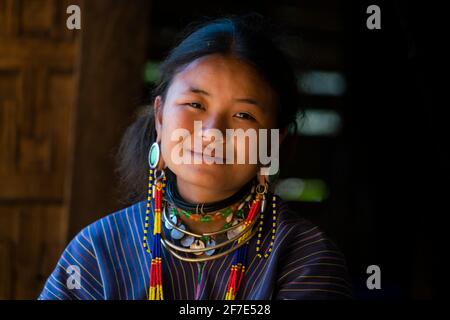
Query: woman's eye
{"x": 244, "y": 115}
{"x": 195, "y": 105}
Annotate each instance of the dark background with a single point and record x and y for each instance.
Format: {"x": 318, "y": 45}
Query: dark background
{"x": 383, "y": 168}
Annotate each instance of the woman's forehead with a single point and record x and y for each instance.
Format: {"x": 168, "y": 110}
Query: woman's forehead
{"x": 214, "y": 73}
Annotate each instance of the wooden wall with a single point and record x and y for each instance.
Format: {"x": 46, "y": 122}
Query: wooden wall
{"x": 113, "y": 54}
{"x": 64, "y": 95}
{"x": 37, "y": 91}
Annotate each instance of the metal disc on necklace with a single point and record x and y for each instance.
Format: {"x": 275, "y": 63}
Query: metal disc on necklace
{"x": 236, "y": 231}
{"x": 173, "y": 218}
{"x": 198, "y": 244}
{"x": 177, "y": 235}
{"x": 210, "y": 243}
{"x": 187, "y": 241}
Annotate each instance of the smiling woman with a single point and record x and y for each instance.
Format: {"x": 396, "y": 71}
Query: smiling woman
{"x": 197, "y": 230}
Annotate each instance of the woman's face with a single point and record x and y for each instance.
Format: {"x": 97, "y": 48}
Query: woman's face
{"x": 223, "y": 93}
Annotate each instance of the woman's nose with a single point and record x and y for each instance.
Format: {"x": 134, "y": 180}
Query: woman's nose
{"x": 216, "y": 122}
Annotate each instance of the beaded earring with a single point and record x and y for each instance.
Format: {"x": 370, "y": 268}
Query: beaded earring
{"x": 261, "y": 222}
{"x": 155, "y": 190}
{"x": 238, "y": 266}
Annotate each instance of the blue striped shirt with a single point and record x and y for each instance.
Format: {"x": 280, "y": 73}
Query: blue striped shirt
{"x": 113, "y": 264}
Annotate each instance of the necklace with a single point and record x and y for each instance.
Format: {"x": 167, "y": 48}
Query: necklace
{"x": 205, "y": 244}
{"x": 227, "y": 213}
{"x": 202, "y": 244}
{"x": 173, "y": 196}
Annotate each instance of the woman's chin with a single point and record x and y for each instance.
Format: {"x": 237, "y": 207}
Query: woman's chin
{"x": 203, "y": 174}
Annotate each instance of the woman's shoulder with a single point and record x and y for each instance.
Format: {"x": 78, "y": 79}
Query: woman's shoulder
{"x": 294, "y": 223}
{"x": 80, "y": 271}
{"x": 117, "y": 226}
{"x": 312, "y": 265}
{"x": 302, "y": 233}
{"x": 124, "y": 217}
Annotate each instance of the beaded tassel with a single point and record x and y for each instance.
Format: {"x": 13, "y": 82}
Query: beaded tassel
{"x": 147, "y": 211}
{"x": 274, "y": 229}
{"x": 238, "y": 266}
{"x": 236, "y": 273}
{"x": 156, "y": 289}
{"x": 155, "y": 194}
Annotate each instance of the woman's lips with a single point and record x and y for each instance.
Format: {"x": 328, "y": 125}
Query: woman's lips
{"x": 206, "y": 157}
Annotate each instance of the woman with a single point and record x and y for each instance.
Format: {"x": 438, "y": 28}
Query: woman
{"x": 204, "y": 225}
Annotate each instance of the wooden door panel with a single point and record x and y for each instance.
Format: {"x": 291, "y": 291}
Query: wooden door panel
{"x": 37, "y": 95}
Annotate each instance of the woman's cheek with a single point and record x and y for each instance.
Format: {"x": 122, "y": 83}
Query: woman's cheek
{"x": 243, "y": 173}
{"x": 172, "y": 138}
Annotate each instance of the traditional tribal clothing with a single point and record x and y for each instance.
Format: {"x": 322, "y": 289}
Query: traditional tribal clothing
{"x": 113, "y": 264}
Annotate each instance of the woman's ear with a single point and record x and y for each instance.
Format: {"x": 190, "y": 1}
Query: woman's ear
{"x": 157, "y": 107}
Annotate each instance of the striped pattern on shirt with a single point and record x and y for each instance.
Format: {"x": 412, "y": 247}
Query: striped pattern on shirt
{"x": 304, "y": 264}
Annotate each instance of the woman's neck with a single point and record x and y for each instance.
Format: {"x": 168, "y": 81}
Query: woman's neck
{"x": 197, "y": 194}
{"x": 204, "y": 227}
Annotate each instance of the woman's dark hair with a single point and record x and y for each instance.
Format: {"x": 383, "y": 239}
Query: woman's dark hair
{"x": 246, "y": 38}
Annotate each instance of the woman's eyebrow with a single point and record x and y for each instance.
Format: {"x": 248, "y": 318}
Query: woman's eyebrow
{"x": 198, "y": 90}
{"x": 242, "y": 100}
{"x": 247, "y": 100}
